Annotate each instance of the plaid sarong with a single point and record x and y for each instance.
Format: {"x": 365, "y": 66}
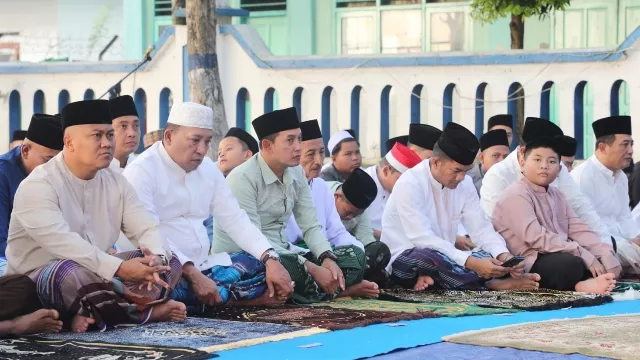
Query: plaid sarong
{"x": 351, "y": 260}
{"x": 243, "y": 280}
{"x": 445, "y": 272}
{"x": 71, "y": 289}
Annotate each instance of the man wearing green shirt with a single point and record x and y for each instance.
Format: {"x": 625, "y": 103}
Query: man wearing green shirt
{"x": 270, "y": 187}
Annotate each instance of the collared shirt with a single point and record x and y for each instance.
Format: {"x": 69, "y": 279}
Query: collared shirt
{"x": 115, "y": 163}
{"x": 327, "y": 214}
{"x": 11, "y": 175}
{"x": 476, "y": 174}
{"x": 421, "y": 213}
{"x": 534, "y": 220}
{"x": 183, "y": 201}
{"x": 359, "y": 226}
{"x": 375, "y": 210}
{"x": 610, "y": 192}
{"x": 59, "y": 216}
{"x": 269, "y": 203}
{"x": 506, "y": 172}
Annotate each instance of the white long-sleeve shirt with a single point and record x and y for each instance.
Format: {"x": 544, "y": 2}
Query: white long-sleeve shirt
{"x": 115, "y": 163}
{"x": 182, "y": 201}
{"x": 375, "y": 210}
{"x": 59, "y": 216}
{"x": 123, "y": 244}
{"x": 506, "y": 172}
{"x": 328, "y": 216}
{"x": 421, "y": 213}
{"x": 610, "y": 191}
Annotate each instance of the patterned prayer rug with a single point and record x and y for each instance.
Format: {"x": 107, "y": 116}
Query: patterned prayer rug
{"x": 321, "y": 317}
{"x": 195, "y": 333}
{"x": 39, "y": 348}
{"x": 442, "y": 309}
{"x": 542, "y": 299}
{"x": 624, "y": 286}
{"x": 613, "y": 337}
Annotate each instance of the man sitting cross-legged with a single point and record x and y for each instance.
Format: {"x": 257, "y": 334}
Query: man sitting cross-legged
{"x": 323, "y": 201}
{"x": 69, "y": 211}
{"x": 536, "y": 221}
{"x": 422, "y": 217}
{"x": 181, "y": 188}
{"x": 270, "y": 187}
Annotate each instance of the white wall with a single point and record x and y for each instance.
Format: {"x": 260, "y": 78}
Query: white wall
{"x": 237, "y": 70}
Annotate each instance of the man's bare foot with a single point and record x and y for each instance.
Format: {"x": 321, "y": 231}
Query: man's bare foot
{"x": 169, "y": 311}
{"x": 423, "y": 283}
{"x": 41, "y": 321}
{"x": 263, "y": 300}
{"x": 526, "y": 282}
{"x": 364, "y": 289}
{"x": 603, "y": 284}
{"x": 81, "y": 323}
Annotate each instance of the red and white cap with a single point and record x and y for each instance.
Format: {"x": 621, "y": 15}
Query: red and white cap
{"x": 402, "y": 158}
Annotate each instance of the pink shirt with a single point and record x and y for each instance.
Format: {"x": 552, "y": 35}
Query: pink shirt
{"x": 533, "y": 219}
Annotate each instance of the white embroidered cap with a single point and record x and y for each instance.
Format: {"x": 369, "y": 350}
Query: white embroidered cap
{"x": 337, "y": 137}
{"x": 191, "y": 115}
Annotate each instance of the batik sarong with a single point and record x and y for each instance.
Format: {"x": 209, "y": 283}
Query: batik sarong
{"x": 243, "y": 280}
{"x": 351, "y": 260}
{"x": 445, "y": 272}
{"x": 71, "y": 289}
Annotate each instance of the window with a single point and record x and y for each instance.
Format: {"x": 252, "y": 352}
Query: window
{"x": 447, "y": 31}
{"x": 263, "y": 5}
{"x": 354, "y": 3}
{"x": 357, "y": 35}
{"x": 401, "y": 31}
{"x": 162, "y": 7}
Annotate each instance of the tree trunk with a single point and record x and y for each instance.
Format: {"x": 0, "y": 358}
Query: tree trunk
{"x": 204, "y": 77}
{"x": 517, "y": 43}
{"x": 177, "y": 20}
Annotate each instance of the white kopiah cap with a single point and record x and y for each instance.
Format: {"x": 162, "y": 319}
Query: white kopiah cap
{"x": 337, "y": 137}
{"x": 191, "y": 115}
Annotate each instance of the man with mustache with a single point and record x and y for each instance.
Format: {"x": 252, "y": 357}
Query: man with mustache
{"x": 323, "y": 201}
{"x": 422, "y": 217}
{"x": 270, "y": 187}
{"x": 181, "y": 188}
{"x": 69, "y": 211}
{"x": 602, "y": 180}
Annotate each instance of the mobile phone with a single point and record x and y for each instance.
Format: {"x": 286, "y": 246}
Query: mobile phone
{"x": 513, "y": 261}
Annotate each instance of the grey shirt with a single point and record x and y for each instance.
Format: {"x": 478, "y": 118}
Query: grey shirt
{"x": 477, "y": 175}
{"x": 331, "y": 174}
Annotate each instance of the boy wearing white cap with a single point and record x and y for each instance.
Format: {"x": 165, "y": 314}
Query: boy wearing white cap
{"x": 181, "y": 187}
{"x": 345, "y": 156}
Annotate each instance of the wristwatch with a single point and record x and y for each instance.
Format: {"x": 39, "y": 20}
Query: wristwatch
{"x": 327, "y": 255}
{"x": 165, "y": 262}
{"x": 270, "y": 254}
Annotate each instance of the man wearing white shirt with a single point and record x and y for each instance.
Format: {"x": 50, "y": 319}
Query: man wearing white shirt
{"x": 398, "y": 160}
{"x": 421, "y": 220}
{"x": 602, "y": 180}
{"x": 503, "y": 174}
{"x": 126, "y": 130}
{"x": 324, "y": 203}
{"x": 181, "y": 188}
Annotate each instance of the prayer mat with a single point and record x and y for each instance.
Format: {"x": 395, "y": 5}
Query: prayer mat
{"x": 39, "y": 348}
{"x": 624, "y": 286}
{"x": 530, "y": 300}
{"x": 322, "y": 316}
{"x": 613, "y": 337}
{"x": 196, "y": 333}
{"x": 442, "y": 309}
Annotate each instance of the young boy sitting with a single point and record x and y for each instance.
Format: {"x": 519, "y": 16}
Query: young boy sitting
{"x": 537, "y": 222}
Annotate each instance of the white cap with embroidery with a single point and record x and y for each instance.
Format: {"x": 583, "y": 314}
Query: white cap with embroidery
{"x": 191, "y": 115}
